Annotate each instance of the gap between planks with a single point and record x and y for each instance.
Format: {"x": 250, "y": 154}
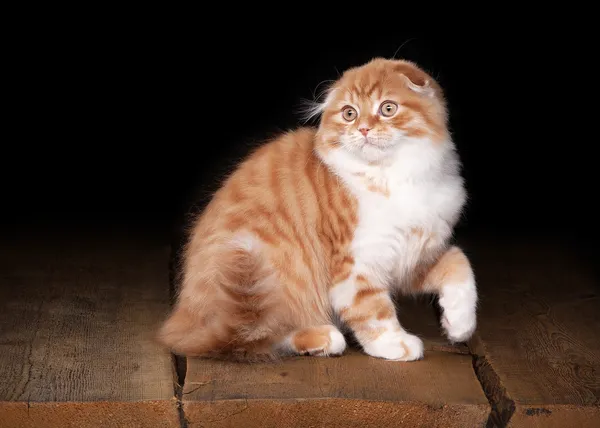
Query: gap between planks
{"x": 179, "y": 364}
{"x": 502, "y": 407}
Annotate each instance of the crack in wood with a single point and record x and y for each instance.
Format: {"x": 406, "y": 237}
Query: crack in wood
{"x": 28, "y": 368}
{"x": 179, "y": 362}
{"x": 179, "y": 372}
{"x": 502, "y": 406}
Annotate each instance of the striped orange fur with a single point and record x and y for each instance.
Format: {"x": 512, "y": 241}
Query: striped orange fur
{"x": 279, "y": 263}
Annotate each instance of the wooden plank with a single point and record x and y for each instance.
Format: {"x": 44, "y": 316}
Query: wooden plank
{"x": 353, "y": 390}
{"x": 101, "y": 414}
{"x": 333, "y": 412}
{"x": 538, "y": 331}
{"x": 77, "y": 322}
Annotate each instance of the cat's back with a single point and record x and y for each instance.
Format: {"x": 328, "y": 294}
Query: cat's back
{"x": 275, "y": 158}
{"x": 272, "y": 176}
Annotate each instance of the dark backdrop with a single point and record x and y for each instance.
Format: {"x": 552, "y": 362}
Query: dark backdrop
{"x": 134, "y": 126}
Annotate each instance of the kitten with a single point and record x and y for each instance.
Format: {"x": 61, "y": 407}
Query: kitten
{"x": 313, "y": 231}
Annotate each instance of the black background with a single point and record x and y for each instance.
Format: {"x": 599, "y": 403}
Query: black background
{"x": 132, "y": 125}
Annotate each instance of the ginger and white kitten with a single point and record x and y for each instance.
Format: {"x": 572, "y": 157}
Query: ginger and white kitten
{"x": 315, "y": 230}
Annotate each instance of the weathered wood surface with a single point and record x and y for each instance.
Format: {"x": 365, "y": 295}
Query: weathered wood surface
{"x": 353, "y": 390}
{"x": 539, "y": 330}
{"x": 77, "y": 320}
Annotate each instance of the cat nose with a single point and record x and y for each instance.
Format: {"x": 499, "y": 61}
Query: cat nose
{"x": 364, "y": 130}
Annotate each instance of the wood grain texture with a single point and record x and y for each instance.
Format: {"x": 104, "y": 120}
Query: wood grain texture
{"x": 540, "y": 307}
{"x": 331, "y": 413}
{"x": 359, "y": 390}
{"x": 100, "y": 414}
{"x": 556, "y": 416}
{"x": 77, "y": 320}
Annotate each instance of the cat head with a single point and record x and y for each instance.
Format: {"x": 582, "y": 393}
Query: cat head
{"x": 372, "y": 109}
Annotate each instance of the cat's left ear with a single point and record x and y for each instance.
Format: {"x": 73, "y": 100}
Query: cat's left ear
{"x": 424, "y": 89}
{"x": 416, "y": 79}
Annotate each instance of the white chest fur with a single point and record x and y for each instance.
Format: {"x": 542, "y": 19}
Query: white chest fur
{"x": 407, "y": 208}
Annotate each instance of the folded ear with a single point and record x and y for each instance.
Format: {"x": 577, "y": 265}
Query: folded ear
{"x": 424, "y": 88}
{"x": 416, "y": 79}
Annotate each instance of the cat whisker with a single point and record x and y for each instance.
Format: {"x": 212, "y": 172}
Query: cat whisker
{"x": 323, "y": 92}
{"x": 401, "y": 46}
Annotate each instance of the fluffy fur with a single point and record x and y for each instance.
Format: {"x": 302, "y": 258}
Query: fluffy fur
{"x": 314, "y": 231}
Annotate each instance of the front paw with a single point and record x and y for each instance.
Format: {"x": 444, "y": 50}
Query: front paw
{"x": 396, "y": 346}
{"x": 459, "y": 304}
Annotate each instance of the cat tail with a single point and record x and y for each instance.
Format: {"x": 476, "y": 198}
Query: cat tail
{"x": 223, "y": 307}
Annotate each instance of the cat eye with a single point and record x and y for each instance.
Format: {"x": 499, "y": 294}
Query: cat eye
{"x": 349, "y": 114}
{"x": 388, "y": 108}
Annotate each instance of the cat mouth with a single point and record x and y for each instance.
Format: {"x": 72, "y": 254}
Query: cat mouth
{"x": 372, "y": 142}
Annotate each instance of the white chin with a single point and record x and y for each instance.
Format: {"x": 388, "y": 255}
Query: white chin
{"x": 373, "y": 153}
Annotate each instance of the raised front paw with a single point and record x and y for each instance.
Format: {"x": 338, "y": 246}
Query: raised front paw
{"x": 459, "y": 317}
{"x": 397, "y": 346}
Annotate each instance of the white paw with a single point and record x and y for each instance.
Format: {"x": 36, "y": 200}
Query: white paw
{"x": 459, "y": 304}
{"x": 337, "y": 346}
{"x": 397, "y": 346}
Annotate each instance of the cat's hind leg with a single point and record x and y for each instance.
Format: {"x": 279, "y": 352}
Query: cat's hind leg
{"x": 227, "y": 303}
{"x": 322, "y": 341}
